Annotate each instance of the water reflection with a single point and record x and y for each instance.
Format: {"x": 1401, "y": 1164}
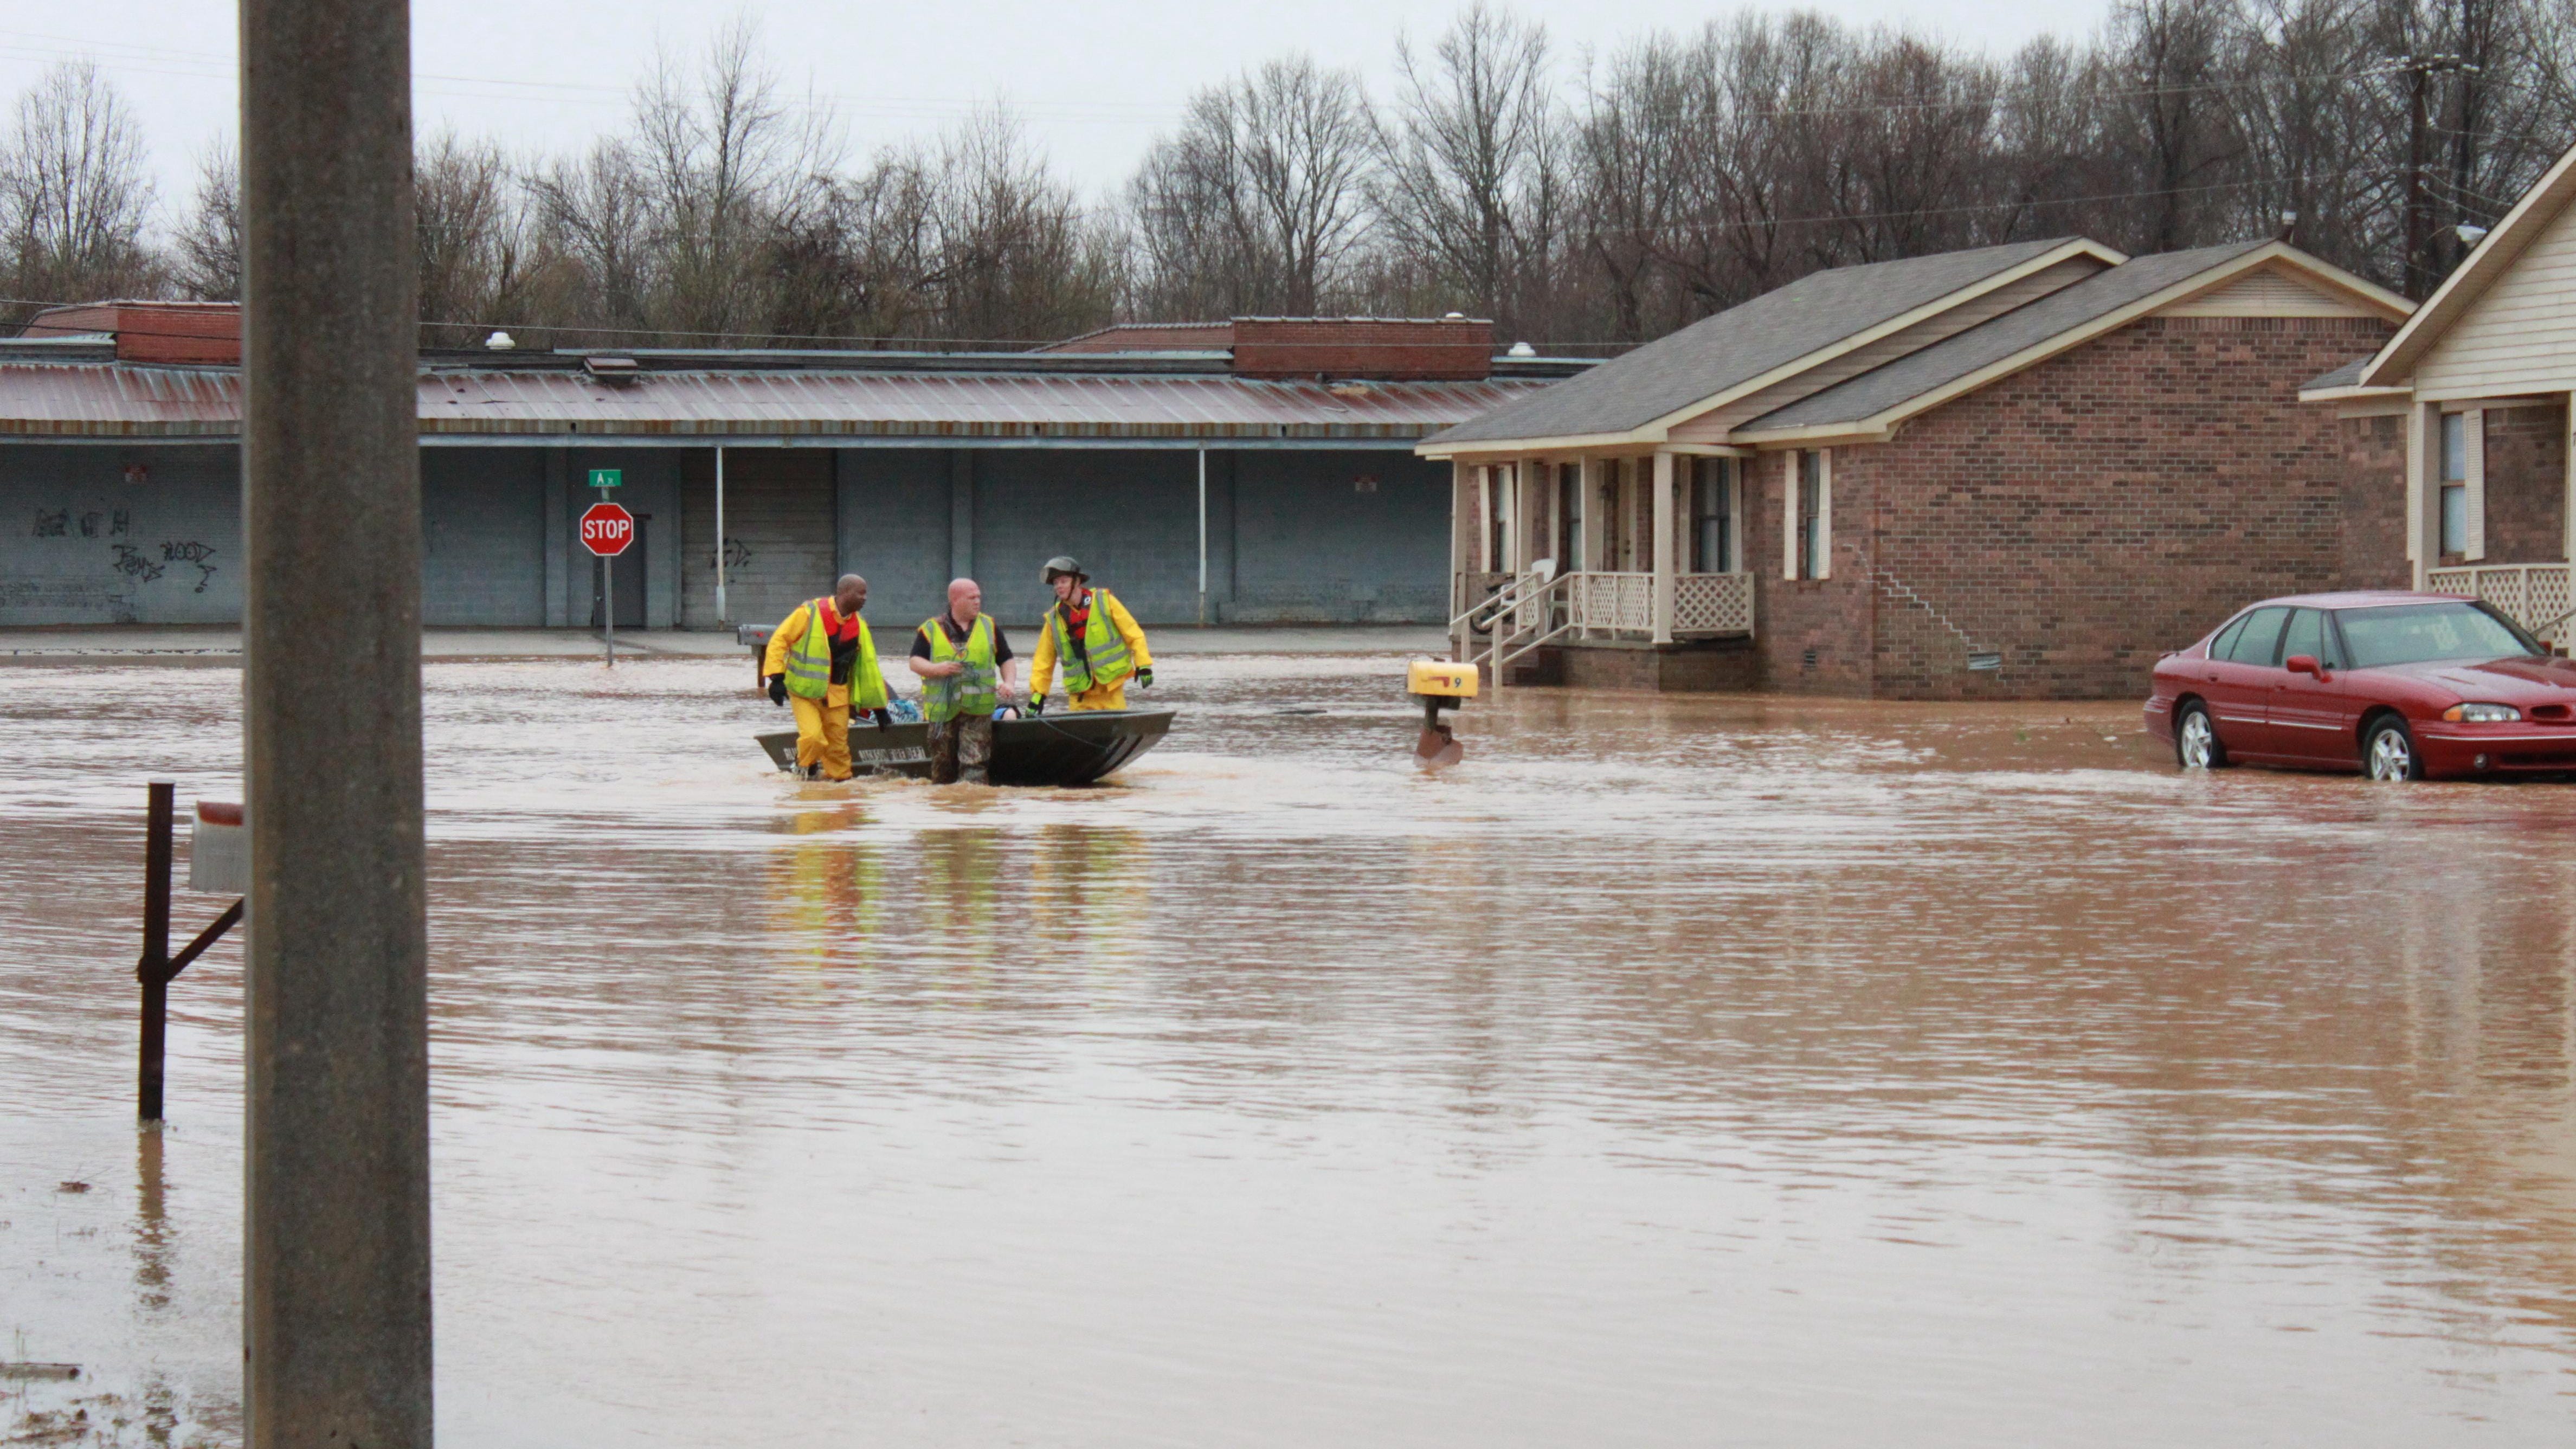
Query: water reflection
{"x": 151, "y": 1222}
{"x": 1775, "y": 1071}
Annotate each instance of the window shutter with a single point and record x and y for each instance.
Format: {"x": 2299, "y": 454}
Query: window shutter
{"x": 1789, "y": 514}
{"x": 1824, "y": 513}
{"x": 2473, "y": 422}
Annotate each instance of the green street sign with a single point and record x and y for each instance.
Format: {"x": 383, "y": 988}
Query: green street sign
{"x": 607, "y": 478}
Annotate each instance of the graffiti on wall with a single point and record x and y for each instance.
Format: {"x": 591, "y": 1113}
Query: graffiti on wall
{"x": 195, "y": 555}
{"x": 131, "y": 563}
{"x": 53, "y": 525}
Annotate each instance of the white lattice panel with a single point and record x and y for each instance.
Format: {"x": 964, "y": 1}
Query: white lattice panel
{"x": 1713, "y": 604}
{"x": 2548, "y": 594}
{"x": 2530, "y": 594}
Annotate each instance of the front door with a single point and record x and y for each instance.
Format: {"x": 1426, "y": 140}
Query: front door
{"x": 2237, "y": 679}
{"x": 628, "y": 575}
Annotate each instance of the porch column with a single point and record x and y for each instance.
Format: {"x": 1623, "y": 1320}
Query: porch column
{"x": 2423, "y": 498}
{"x": 1462, "y": 510}
{"x": 1663, "y": 554}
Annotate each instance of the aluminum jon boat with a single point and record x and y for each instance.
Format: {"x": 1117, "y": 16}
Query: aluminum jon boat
{"x": 1073, "y": 748}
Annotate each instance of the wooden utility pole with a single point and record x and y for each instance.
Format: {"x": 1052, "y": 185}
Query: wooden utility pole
{"x": 335, "y": 1293}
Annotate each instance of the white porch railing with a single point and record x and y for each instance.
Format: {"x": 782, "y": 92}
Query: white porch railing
{"x": 2532, "y": 595}
{"x": 1522, "y": 612}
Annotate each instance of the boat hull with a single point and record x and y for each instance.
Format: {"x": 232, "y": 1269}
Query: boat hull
{"x": 1073, "y": 748}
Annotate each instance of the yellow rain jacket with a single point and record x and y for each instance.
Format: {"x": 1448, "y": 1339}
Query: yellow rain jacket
{"x": 865, "y": 672}
{"x": 1109, "y": 695}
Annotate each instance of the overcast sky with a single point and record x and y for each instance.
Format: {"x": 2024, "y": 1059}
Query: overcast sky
{"x": 1094, "y": 79}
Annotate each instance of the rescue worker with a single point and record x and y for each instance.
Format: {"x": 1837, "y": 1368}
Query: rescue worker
{"x": 823, "y": 661}
{"x": 1095, "y": 638}
{"x": 967, "y": 674}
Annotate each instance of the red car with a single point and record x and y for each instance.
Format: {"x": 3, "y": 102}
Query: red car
{"x": 2398, "y": 686}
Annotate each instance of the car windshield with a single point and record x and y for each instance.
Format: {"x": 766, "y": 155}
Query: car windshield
{"x": 2418, "y": 633}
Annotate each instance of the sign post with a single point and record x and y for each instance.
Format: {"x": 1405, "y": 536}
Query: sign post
{"x": 607, "y": 530}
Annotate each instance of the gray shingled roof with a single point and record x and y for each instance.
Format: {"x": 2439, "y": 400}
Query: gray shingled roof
{"x": 2348, "y": 375}
{"x": 1740, "y": 343}
{"x": 2027, "y": 326}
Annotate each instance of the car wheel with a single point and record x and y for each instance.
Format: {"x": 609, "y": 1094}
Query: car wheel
{"x": 2196, "y": 745}
{"x": 2388, "y": 751}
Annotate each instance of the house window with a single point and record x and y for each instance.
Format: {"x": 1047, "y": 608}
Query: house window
{"x": 2455, "y": 483}
{"x": 1713, "y": 542}
{"x": 1811, "y": 506}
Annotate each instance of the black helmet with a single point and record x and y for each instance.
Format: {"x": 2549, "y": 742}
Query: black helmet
{"x": 1063, "y": 564}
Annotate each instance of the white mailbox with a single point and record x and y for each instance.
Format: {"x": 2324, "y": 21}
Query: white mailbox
{"x": 219, "y": 850}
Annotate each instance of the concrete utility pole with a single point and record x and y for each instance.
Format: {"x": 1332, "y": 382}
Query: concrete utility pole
{"x": 335, "y": 1297}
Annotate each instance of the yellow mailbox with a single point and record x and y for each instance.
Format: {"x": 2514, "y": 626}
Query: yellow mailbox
{"x": 1441, "y": 678}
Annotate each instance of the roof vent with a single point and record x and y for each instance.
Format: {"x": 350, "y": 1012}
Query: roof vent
{"x": 616, "y": 371}
{"x": 500, "y": 342}
{"x": 1522, "y": 349}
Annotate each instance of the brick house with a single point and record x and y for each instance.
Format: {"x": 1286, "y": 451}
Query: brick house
{"x": 2458, "y": 427}
{"x": 2018, "y": 471}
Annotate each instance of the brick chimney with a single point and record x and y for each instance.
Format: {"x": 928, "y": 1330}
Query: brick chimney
{"x": 174, "y": 332}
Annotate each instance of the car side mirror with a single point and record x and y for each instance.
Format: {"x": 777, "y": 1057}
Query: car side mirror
{"x": 2303, "y": 664}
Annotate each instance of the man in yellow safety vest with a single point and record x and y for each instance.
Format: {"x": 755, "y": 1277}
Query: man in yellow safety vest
{"x": 822, "y": 660}
{"x": 967, "y": 673}
{"x": 1095, "y": 639}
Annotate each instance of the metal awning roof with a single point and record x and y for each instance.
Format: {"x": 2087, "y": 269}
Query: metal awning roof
{"x": 118, "y": 400}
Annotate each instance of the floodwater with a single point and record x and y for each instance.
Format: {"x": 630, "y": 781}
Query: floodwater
{"x": 1675, "y": 1071}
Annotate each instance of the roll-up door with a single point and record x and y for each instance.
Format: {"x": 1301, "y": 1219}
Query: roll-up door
{"x": 483, "y": 537}
{"x": 779, "y": 539}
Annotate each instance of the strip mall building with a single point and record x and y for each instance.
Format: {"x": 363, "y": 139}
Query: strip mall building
{"x": 1254, "y": 471}
{"x": 2019, "y": 471}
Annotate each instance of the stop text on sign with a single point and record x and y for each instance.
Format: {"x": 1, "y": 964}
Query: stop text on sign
{"x": 607, "y": 529}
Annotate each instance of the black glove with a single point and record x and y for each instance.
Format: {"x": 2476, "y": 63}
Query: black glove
{"x": 1145, "y": 678}
{"x": 778, "y": 689}
{"x": 883, "y": 717}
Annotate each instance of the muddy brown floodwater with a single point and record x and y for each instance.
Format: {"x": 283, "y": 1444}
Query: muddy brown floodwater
{"x": 1675, "y": 1071}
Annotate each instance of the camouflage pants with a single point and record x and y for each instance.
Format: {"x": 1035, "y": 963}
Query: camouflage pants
{"x": 961, "y": 749}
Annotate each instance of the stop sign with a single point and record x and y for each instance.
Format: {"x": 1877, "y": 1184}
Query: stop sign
{"x": 607, "y": 529}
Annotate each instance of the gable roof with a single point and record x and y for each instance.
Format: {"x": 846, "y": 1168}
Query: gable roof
{"x": 1744, "y": 344}
{"x": 2487, "y": 263}
{"x": 2038, "y": 330}
{"x": 2060, "y": 312}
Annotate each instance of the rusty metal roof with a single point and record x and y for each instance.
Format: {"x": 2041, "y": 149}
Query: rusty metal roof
{"x": 109, "y": 400}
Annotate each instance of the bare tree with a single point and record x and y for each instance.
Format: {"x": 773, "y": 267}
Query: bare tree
{"x": 721, "y": 157}
{"x": 1255, "y": 204}
{"x": 206, "y": 258}
{"x": 1015, "y": 256}
{"x": 1470, "y": 181}
{"x": 74, "y": 197}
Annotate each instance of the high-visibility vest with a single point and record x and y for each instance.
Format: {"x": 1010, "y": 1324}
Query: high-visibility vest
{"x": 974, "y": 690}
{"x": 1104, "y": 658}
{"x": 809, "y": 664}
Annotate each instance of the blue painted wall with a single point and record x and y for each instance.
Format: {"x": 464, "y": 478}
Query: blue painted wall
{"x": 1293, "y": 537}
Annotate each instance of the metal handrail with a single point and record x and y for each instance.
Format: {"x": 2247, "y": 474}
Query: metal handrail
{"x": 1509, "y": 596}
{"x": 1505, "y": 646}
